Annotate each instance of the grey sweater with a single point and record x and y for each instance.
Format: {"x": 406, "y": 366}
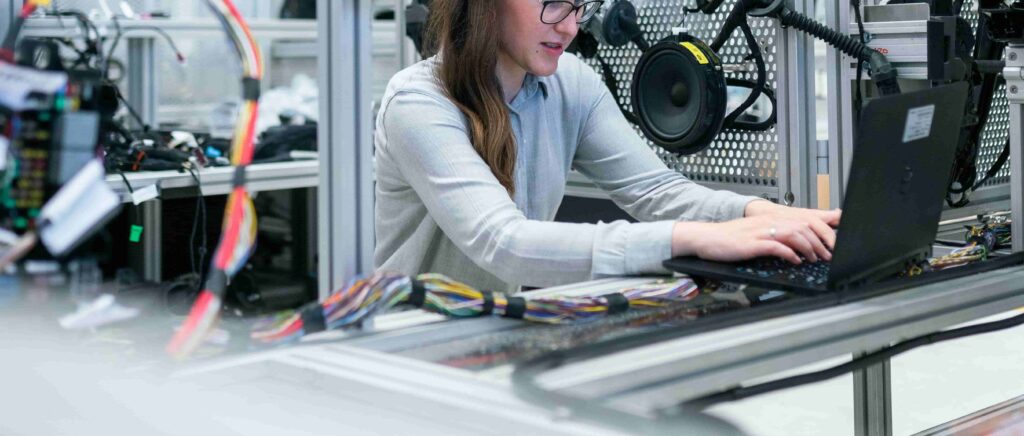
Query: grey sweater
{"x": 440, "y": 209}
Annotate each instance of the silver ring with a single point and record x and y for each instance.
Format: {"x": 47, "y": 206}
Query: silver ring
{"x": 771, "y": 232}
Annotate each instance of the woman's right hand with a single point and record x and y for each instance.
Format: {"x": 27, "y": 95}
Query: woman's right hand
{"x": 751, "y": 237}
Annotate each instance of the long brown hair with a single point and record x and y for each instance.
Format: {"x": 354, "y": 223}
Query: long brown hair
{"x": 465, "y": 32}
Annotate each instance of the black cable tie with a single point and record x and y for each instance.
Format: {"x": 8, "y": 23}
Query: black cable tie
{"x": 515, "y": 308}
{"x": 488, "y": 307}
{"x": 313, "y": 318}
{"x": 250, "y": 89}
{"x": 617, "y": 303}
{"x": 217, "y": 282}
{"x": 238, "y": 180}
{"x": 418, "y": 295}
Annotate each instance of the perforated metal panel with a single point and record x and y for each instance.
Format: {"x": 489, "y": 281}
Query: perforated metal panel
{"x": 994, "y": 138}
{"x": 997, "y": 131}
{"x": 737, "y": 158}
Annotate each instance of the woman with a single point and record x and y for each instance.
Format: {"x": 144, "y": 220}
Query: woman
{"x": 473, "y": 147}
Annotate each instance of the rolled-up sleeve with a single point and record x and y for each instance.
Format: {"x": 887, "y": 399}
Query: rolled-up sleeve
{"x": 618, "y": 161}
{"x": 427, "y": 140}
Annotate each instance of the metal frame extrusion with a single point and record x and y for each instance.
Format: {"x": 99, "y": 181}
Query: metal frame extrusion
{"x": 346, "y": 153}
{"x": 661, "y": 374}
{"x": 872, "y": 386}
{"x": 7, "y": 8}
{"x": 840, "y": 115}
{"x": 872, "y": 400}
{"x": 407, "y": 54}
{"x": 1014, "y": 75}
{"x": 800, "y": 142}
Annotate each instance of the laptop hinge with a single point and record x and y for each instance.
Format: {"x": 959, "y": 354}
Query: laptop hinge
{"x": 882, "y": 271}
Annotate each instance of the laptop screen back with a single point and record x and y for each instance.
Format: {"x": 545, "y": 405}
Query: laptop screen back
{"x": 898, "y": 179}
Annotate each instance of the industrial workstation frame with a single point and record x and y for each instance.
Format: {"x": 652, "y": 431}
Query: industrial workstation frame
{"x": 345, "y": 213}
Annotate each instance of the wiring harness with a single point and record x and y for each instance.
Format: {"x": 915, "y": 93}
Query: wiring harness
{"x": 238, "y": 235}
{"x": 981, "y": 241}
{"x": 882, "y": 72}
{"x": 364, "y": 297}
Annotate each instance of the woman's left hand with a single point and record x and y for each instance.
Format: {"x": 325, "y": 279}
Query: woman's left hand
{"x": 822, "y": 222}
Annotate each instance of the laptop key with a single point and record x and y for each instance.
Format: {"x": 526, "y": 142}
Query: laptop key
{"x": 808, "y": 273}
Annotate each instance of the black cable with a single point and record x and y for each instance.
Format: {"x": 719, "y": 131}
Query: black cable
{"x": 192, "y": 236}
{"x": 958, "y": 6}
{"x": 843, "y": 43}
{"x": 857, "y": 102}
{"x": 83, "y": 57}
{"x": 136, "y": 27}
{"x": 94, "y": 47}
{"x": 761, "y": 126}
{"x": 738, "y": 19}
{"x": 859, "y": 363}
{"x": 883, "y": 74}
{"x": 142, "y": 124}
{"x": 198, "y": 265}
{"x": 984, "y": 83}
{"x": 1001, "y": 160}
{"x": 737, "y": 15}
{"x": 523, "y": 386}
{"x": 755, "y": 93}
{"x": 131, "y": 191}
{"x": 526, "y": 373}
{"x": 118, "y": 33}
{"x": 127, "y": 137}
{"x": 613, "y": 87}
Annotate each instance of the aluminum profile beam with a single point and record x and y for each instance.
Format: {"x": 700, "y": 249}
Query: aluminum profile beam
{"x": 661, "y": 374}
{"x": 346, "y": 179}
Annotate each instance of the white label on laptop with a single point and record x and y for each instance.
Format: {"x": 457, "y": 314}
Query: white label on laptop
{"x": 919, "y": 123}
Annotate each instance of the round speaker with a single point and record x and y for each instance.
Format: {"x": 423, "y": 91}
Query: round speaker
{"x": 679, "y": 94}
{"x": 607, "y": 26}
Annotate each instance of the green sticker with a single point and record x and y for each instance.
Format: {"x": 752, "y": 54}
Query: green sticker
{"x": 136, "y": 234}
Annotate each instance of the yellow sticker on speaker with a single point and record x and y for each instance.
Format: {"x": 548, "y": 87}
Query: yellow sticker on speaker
{"x": 699, "y": 55}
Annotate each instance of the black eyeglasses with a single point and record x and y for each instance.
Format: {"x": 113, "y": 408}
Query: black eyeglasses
{"x": 555, "y": 11}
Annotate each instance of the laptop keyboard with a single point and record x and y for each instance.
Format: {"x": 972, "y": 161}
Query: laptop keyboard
{"x": 807, "y": 273}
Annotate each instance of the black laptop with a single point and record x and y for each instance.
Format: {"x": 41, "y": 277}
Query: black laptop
{"x": 898, "y": 178}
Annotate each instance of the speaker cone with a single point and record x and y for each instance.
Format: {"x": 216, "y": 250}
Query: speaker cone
{"x": 679, "y": 94}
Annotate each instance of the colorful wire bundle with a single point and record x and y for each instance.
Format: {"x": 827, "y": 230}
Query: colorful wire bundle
{"x": 981, "y": 240}
{"x": 238, "y": 236}
{"x": 365, "y": 297}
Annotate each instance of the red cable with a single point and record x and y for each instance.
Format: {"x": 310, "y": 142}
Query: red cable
{"x": 198, "y": 309}
{"x": 227, "y": 245}
{"x": 247, "y": 148}
{"x": 27, "y": 9}
{"x": 232, "y": 231}
{"x": 248, "y": 35}
{"x": 291, "y": 330}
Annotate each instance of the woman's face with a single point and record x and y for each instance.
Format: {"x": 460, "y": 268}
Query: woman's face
{"x": 529, "y": 43}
